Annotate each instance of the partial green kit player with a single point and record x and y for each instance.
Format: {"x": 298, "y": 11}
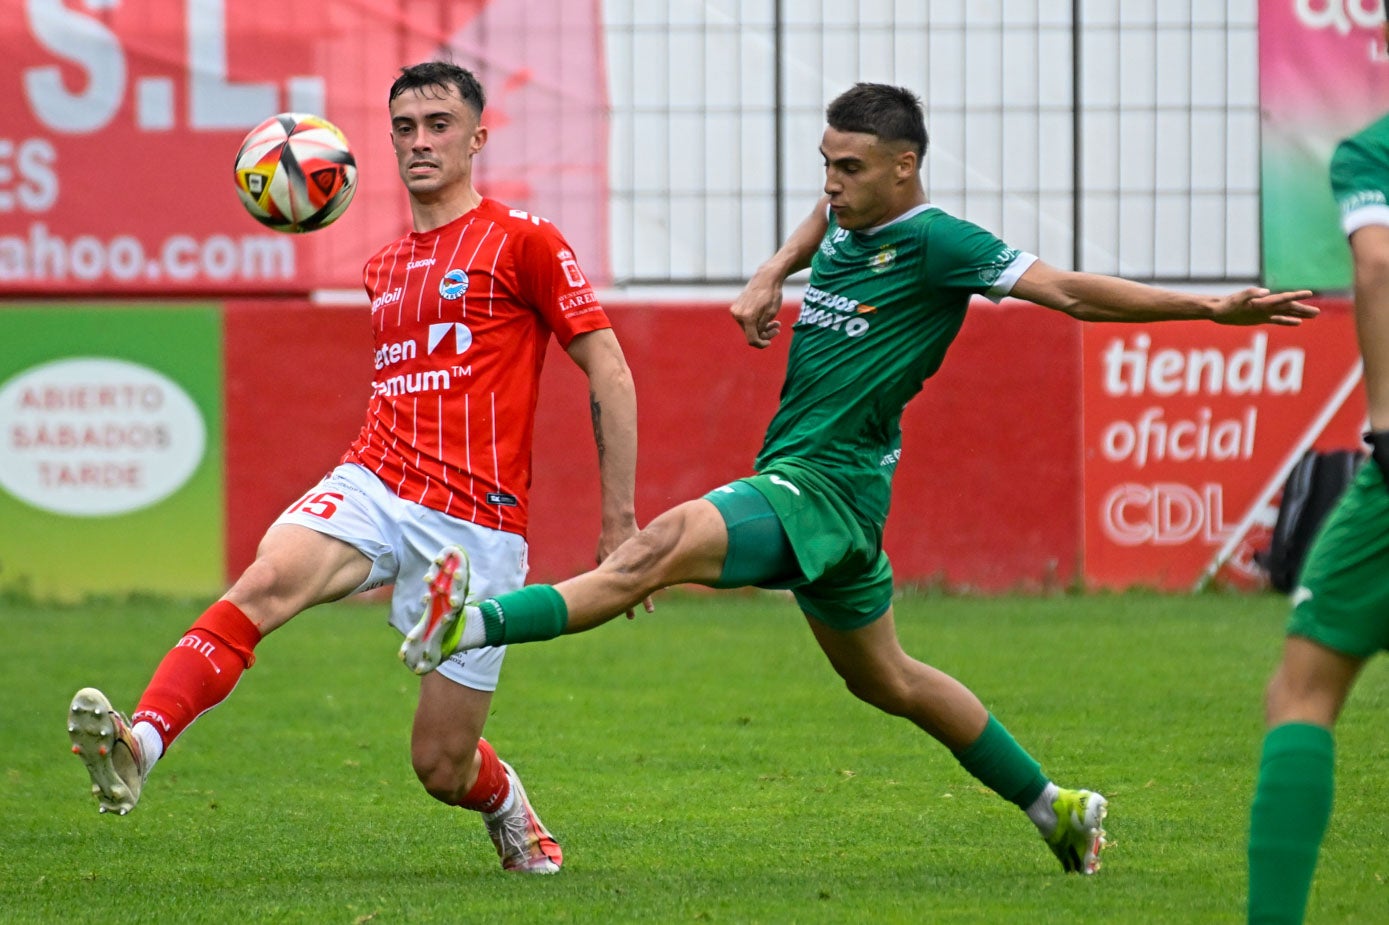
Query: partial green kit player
{"x": 1340, "y": 613}
{"x": 891, "y": 280}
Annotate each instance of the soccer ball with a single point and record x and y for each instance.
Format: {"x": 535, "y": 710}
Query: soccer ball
{"x": 295, "y": 172}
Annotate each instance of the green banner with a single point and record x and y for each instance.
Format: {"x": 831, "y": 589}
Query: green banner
{"x": 111, "y": 448}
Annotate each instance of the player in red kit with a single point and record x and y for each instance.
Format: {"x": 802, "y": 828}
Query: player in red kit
{"x": 462, "y": 309}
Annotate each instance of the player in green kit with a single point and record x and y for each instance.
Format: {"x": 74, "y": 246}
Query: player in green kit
{"x": 891, "y": 279}
{"x": 1340, "y": 614}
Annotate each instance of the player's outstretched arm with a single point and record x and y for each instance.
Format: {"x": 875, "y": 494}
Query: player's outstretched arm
{"x": 612, "y": 399}
{"x": 756, "y": 307}
{"x": 1093, "y": 297}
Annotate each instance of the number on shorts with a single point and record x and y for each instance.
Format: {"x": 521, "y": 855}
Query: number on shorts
{"x": 323, "y": 504}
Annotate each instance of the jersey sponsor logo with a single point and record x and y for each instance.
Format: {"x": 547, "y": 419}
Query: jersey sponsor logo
{"x": 824, "y": 309}
{"x": 439, "y": 337}
{"x": 829, "y": 300}
{"x": 423, "y": 262}
{"x": 988, "y": 275}
{"x": 891, "y": 459}
{"x": 432, "y": 380}
{"x": 390, "y": 354}
{"x": 572, "y": 274}
{"x": 502, "y": 498}
{"x": 386, "y": 298}
{"x": 454, "y": 284}
{"x": 883, "y": 259}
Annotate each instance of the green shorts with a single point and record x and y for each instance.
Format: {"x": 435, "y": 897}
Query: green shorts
{"x": 807, "y": 542}
{"x": 1342, "y": 599}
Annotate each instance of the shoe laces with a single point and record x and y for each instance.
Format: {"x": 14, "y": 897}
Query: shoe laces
{"x": 511, "y": 832}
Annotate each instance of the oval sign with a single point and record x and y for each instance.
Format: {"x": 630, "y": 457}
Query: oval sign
{"x": 96, "y": 436}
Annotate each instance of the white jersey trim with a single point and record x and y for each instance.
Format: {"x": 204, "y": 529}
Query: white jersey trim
{"x": 1009, "y": 277}
{"x": 1359, "y": 218}
{"x": 909, "y": 214}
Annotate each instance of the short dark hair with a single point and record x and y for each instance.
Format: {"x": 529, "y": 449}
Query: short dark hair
{"x": 440, "y": 74}
{"x": 891, "y": 113}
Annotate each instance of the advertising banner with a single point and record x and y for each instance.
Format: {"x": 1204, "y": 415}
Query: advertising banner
{"x": 121, "y": 121}
{"x": 1323, "y": 74}
{"x": 111, "y": 450}
{"x": 1189, "y": 433}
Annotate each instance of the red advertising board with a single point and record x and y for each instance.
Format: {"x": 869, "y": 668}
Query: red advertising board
{"x": 1190, "y": 430}
{"x": 121, "y": 121}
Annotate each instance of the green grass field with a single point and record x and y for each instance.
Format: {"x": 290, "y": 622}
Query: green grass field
{"x": 702, "y": 764}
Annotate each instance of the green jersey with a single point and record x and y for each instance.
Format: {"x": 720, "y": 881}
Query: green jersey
{"x": 879, "y": 313}
{"x": 1360, "y": 177}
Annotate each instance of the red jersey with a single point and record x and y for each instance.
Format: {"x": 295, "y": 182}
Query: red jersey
{"x": 462, "y": 316}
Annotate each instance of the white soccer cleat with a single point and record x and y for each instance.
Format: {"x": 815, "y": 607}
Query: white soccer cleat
{"x": 435, "y": 637}
{"x": 102, "y": 738}
{"x": 1079, "y": 836}
{"x": 522, "y": 841}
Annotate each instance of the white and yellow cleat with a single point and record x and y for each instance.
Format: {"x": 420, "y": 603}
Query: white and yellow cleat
{"x": 1079, "y": 836}
{"x": 435, "y": 636}
{"x": 102, "y": 738}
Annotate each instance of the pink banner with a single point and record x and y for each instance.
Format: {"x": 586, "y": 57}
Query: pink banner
{"x": 1322, "y": 76}
{"x": 1321, "y": 61}
{"x": 121, "y": 121}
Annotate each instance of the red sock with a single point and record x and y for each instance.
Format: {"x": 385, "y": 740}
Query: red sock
{"x": 200, "y": 671}
{"x": 492, "y": 787}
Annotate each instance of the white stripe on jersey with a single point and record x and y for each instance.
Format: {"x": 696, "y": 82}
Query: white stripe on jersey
{"x": 492, "y": 274}
{"x": 496, "y": 463}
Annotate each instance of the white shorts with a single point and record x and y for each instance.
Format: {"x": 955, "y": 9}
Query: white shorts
{"x": 401, "y": 539}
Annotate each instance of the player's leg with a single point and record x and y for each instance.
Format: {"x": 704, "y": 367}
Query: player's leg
{"x": 294, "y": 569}
{"x": 296, "y": 566}
{"x": 1293, "y": 794}
{"x": 685, "y": 544}
{"x": 877, "y": 671}
{"x": 454, "y": 763}
{"x": 1338, "y": 621}
{"x": 460, "y": 768}
{"x": 875, "y": 668}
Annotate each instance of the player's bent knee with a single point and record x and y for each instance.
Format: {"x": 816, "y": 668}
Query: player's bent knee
{"x": 891, "y": 686}
{"x": 441, "y": 778}
{"x": 886, "y": 693}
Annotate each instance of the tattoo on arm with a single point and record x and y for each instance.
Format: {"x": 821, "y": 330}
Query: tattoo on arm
{"x": 595, "y": 410}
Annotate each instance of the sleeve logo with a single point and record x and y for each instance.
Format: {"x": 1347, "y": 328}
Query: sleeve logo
{"x": 570, "y": 266}
{"x": 990, "y": 272}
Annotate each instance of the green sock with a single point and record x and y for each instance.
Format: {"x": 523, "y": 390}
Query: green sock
{"x": 530, "y": 614}
{"x": 1001, "y": 764}
{"x": 1292, "y": 805}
